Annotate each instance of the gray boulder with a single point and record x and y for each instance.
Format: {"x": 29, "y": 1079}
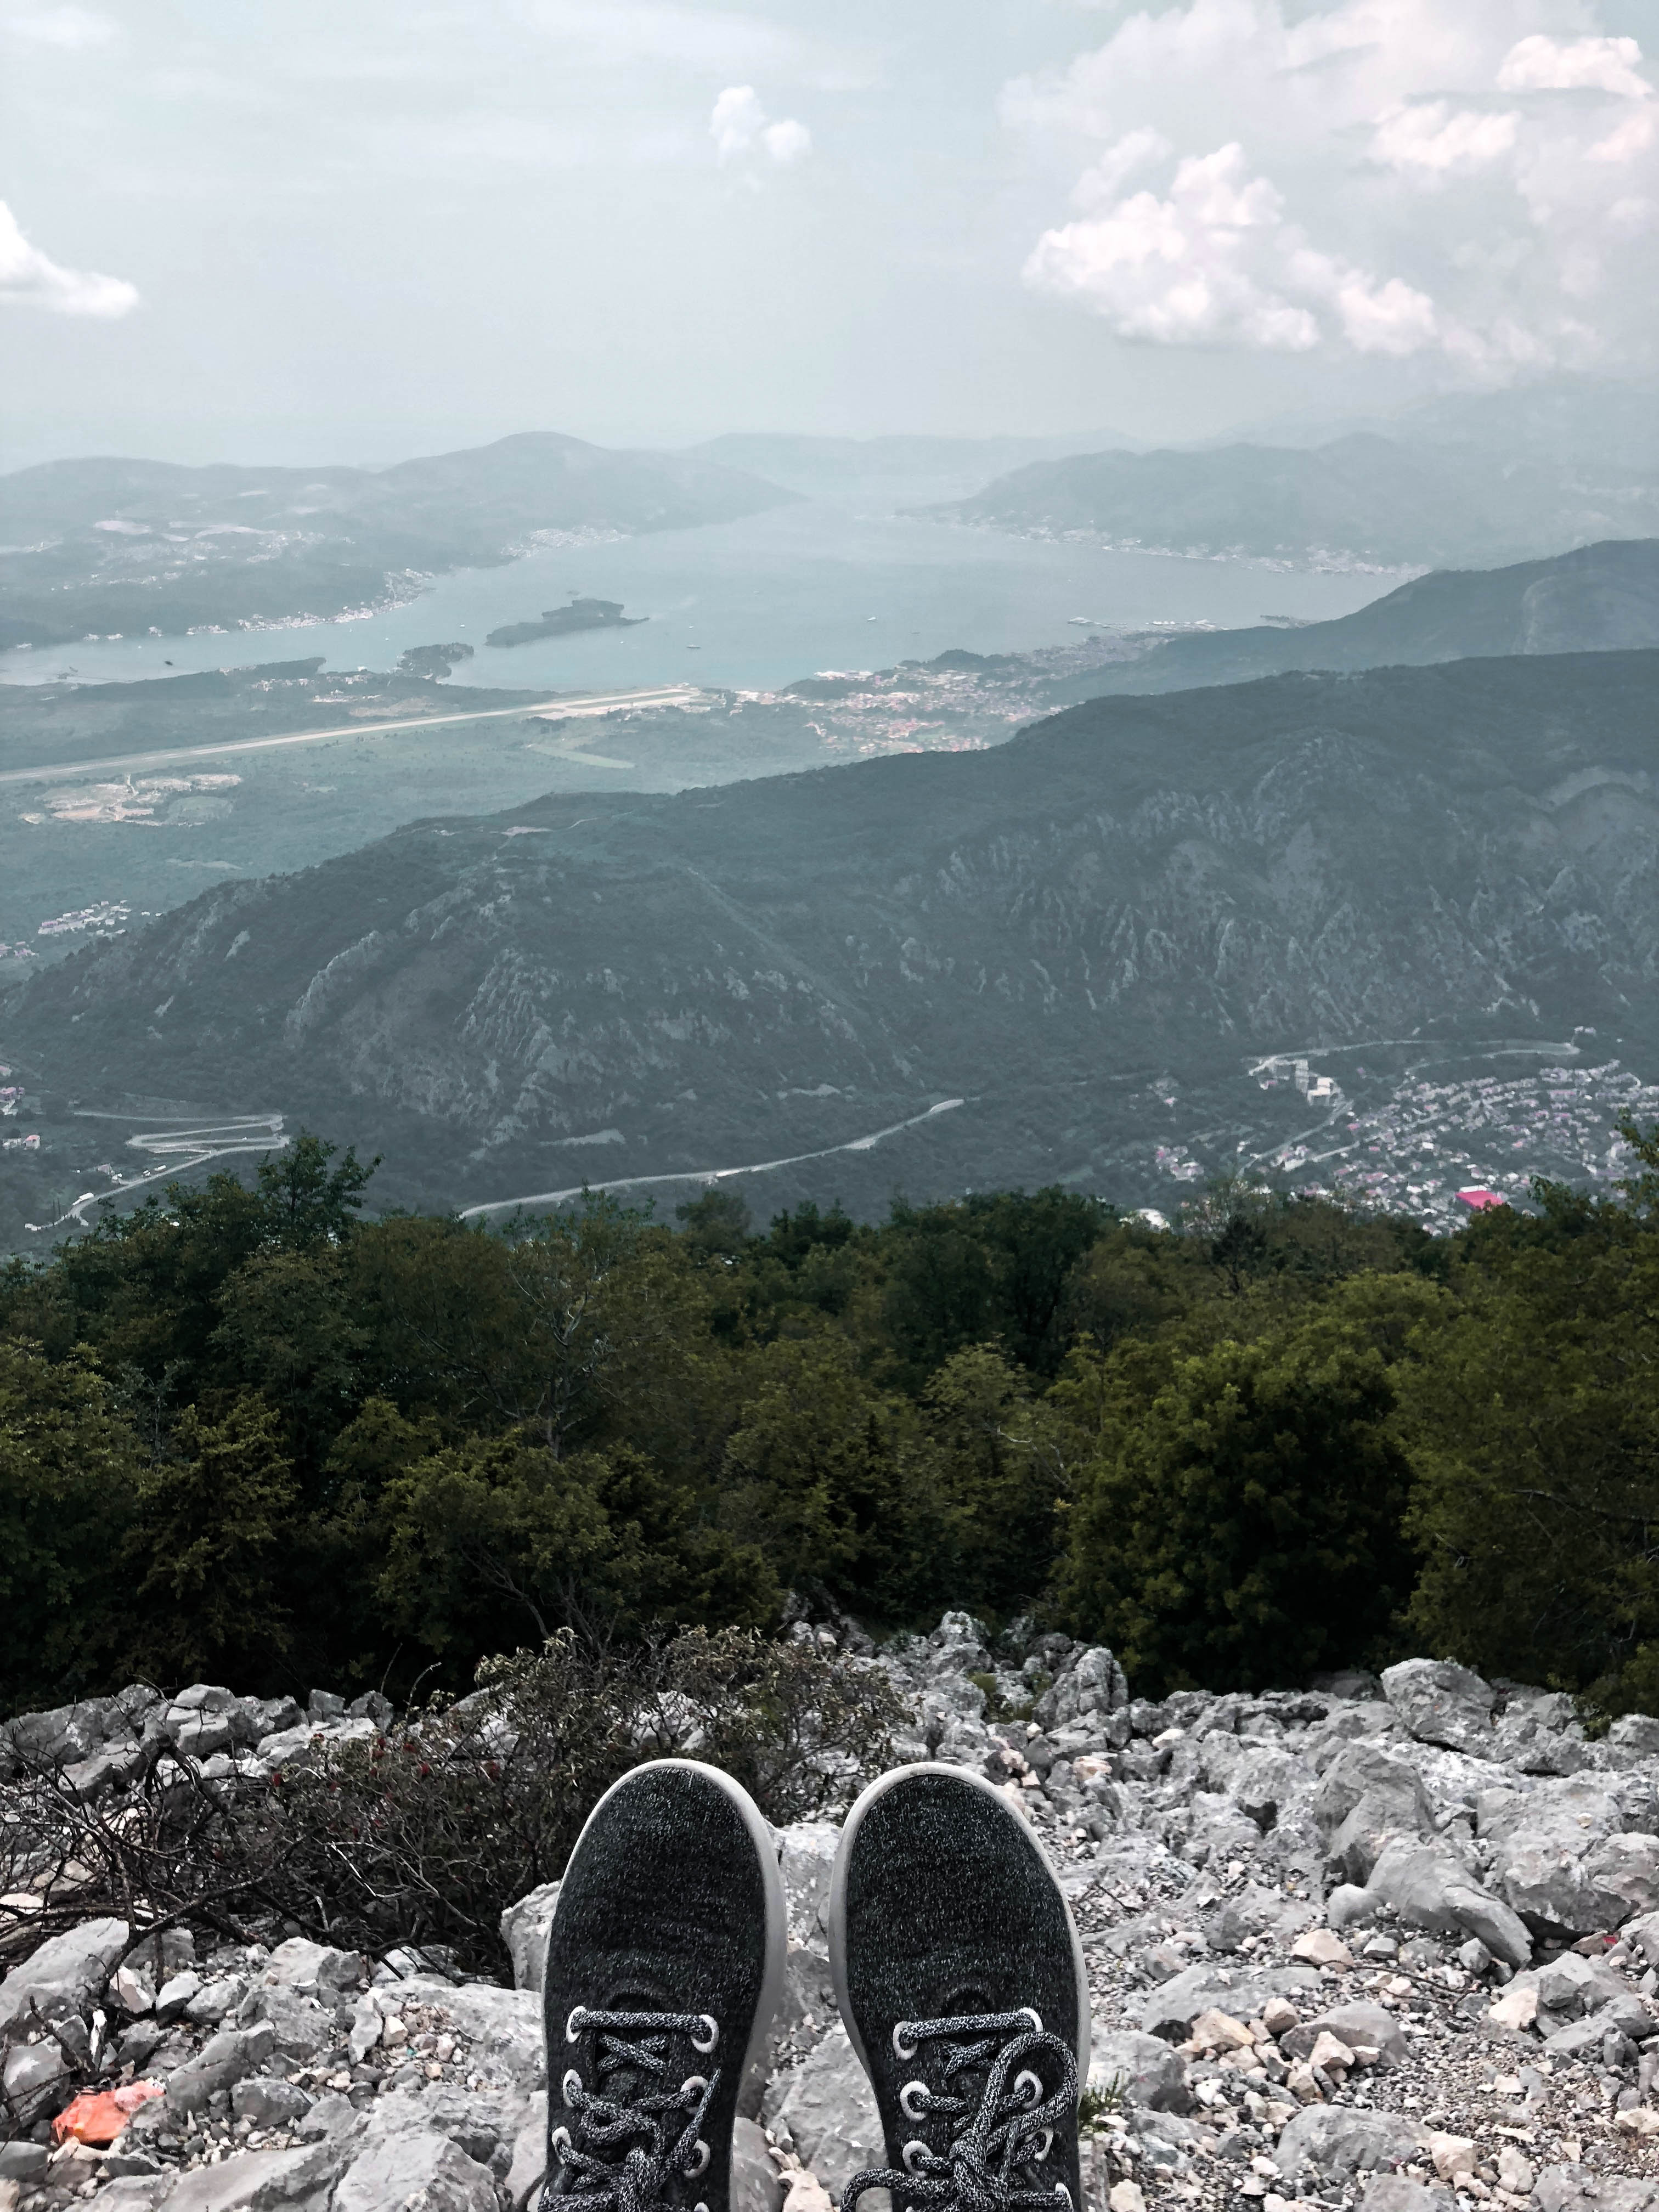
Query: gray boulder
{"x": 257, "y": 2181}
{"x": 223, "y": 2060}
{"x": 1576, "y": 2189}
{"x": 1398, "y": 2192}
{"x": 267, "y": 2103}
{"x": 829, "y": 2108}
{"x": 757, "y": 2185}
{"x": 1364, "y": 1799}
{"x": 1560, "y": 1860}
{"x": 1370, "y": 2026}
{"x": 1637, "y": 1732}
{"x": 1091, "y": 1686}
{"x": 1540, "y": 1732}
{"x": 1170, "y": 2010}
{"x": 1442, "y": 1703}
{"x": 63, "y": 1975}
{"x": 400, "y": 2163}
{"x": 1333, "y": 2141}
{"x": 525, "y": 1927}
{"x": 1430, "y": 1887}
{"x": 1147, "y": 2070}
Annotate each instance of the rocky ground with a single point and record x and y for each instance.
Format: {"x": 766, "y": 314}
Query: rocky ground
{"x": 1387, "y": 1943}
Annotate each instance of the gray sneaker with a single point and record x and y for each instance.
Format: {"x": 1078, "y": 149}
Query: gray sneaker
{"x": 664, "y": 1964}
{"x": 961, "y": 1981}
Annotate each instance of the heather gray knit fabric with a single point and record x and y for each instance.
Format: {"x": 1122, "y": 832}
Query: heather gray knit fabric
{"x": 961, "y": 1983}
{"x": 663, "y": 1965}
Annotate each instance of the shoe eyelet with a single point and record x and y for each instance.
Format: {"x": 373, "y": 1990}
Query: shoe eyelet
{"x": 559, "y": 2143}
{"x": 698, "y": 2081}
{"x": 1035, "y": 2017}
{"x": 572, "y": 2029}
{"x": 1034, "y": 2094}
{"x": 1047, "y": 2145}
{"x": 699, "y": 2206}
{"x": 571, "y": 2075}
{"x": 913, "y": 2089}
{"x": 901, "y": 2047}
{"x": 911, "y": 2153}
{"x": 714, "y": 2026}
{"x": 1062, "y": 2192}
{"x": 700, "y": 2158}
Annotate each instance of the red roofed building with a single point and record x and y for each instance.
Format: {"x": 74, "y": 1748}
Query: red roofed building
{"x": 1477, "y": 1201}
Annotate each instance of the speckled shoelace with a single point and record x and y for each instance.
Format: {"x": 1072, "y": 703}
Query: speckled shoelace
{"x": 1009, "y": 2128}
{"x": 627, "y": 2156}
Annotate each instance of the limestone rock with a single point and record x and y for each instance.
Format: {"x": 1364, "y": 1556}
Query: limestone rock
{"x": 64, "y": 1974}
{"x": 1430, "y": 1887}
{"x": 1398, "y": 2192}
{"x": 257, "y": 2181}
{"x": 1333, "y": 2141}
{"x": 1147, "y": 2070}
{"x": 1442, "y": 1703}
{"x": 401, "y": 2165}
{"x": 1364, "y": 1799}
{"x": 757, "y": 2185}
{"x": 829, "y": 2108}
{"x": 1241, "y": 1991}
{"x": 525, "y": 1927}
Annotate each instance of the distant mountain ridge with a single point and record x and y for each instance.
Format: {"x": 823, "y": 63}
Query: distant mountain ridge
{"x": 117, "y": 547}
{"x": 618, "y": 984}
{"x": 1360, "y": 499}
{"x": 1600, "y": 598}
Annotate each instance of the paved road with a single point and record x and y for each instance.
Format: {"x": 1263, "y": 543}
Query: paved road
{"x": 592, "y": 702}
{"x": 709, "y": 1174}
{"x": 176, "y": 1149}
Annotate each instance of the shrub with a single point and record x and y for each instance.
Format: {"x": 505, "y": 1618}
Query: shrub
{"x": 426, "y": 1834}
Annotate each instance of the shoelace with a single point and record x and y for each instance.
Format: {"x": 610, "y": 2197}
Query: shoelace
{"x": 627, "y": 2155}
{"x": 1010, "y": 2129}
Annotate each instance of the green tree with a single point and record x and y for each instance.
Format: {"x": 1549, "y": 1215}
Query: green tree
{"x": 207, "y": 1550}
{"x": 493, "y": 1540}
{"x": 821, "y": 1475}
{"x": 1243, "y": 1527}
{"x": 1534, "y": 1427}
{"x": 69, "y": 1473}
{"x": 1001, "y": 1486}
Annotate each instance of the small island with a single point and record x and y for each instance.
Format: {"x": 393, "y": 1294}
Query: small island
{"x": 558, "y": 622}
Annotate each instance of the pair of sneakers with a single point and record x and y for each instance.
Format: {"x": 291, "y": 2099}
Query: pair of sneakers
{"x": 955, "y": 1965}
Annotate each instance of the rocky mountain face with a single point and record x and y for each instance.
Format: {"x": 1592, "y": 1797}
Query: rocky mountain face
{"x": 1027, "y": 945}
{"x": 1388, "y": 1941}
{"x": 1362, "y": 498}
{"x": 1602, "y": 598}
{"x": 114, "y": 547}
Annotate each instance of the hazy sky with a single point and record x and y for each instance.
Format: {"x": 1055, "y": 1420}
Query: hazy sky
{"x": 353, "y": 230}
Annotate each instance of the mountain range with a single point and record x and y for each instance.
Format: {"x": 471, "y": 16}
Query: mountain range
{"x": 1360, "y": 500}
{"x": 111, "y": 547}
{"x": 1602, "y": 598}
{"x": 1026, "y": 952}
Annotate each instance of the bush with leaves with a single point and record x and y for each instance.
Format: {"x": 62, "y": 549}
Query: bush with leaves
{"x": 426, "y": 1834}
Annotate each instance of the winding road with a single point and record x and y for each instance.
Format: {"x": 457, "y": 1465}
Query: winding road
{"x": 711, "y": 1175}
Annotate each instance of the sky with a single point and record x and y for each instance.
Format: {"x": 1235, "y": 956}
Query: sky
{"x": 238, "y": 230}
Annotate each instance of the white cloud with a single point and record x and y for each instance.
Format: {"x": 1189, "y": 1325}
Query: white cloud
{"x": 1543, "y": 64}
{"x": 69, "y": 29}
{"x": 739, "y": 129}
{"x": 28, "y": 279}
{"x": 1352, "y": 178}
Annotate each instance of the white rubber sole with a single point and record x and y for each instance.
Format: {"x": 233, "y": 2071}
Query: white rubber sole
{"x": 777, "y": 1918}
{"x": 877, "y": 1790}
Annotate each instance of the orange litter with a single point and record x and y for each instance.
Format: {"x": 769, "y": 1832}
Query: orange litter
{"x": 98, "y": 2115}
